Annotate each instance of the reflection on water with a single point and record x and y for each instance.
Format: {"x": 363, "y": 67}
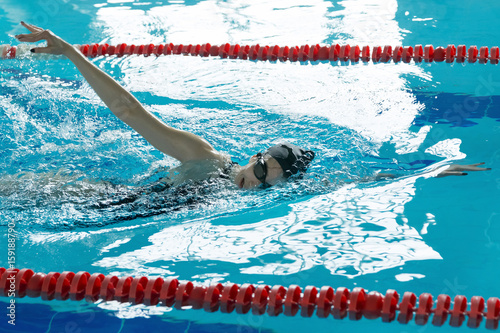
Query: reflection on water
{"x": 352, "y": 231}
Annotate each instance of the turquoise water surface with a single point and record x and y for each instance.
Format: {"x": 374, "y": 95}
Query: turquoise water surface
{"x": 62, "y": 151}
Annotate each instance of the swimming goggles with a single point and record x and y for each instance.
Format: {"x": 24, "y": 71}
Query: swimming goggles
{"x": 260, "y": 169}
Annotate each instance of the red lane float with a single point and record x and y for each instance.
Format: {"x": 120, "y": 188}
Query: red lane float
{"x": 262, "y": 299}
{"x": 336, "y": 52}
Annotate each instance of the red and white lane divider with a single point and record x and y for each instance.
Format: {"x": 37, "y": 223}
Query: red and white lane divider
{"x": 336, "y": 52}
{"x": 325, "y": 301}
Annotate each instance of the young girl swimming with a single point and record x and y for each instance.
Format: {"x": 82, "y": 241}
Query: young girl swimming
{"x": 199, "y": 159}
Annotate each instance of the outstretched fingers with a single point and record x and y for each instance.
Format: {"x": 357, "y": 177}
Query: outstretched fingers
{"x": 457, "y": 169}
{"x": 36, "y": 33}
{"x": 481, "y": 169}
{"x": 33, "y": 37}
{"x": 450, "y": 173}
{"x": 475, "y": 167}
{"x": 45, "y": 49}
{"x": 31, "y": 27}
{"x": 55, "y": 45}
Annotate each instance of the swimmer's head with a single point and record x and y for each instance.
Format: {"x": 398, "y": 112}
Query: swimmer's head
{"x": 276, "y": 164}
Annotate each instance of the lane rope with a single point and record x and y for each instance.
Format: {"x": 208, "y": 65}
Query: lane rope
{"x": 336, "y": 52}
{"x": 325, "y": 301}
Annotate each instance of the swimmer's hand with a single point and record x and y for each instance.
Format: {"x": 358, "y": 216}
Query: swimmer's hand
{"x": 55, "y": 44}
{"x": 457, "y": 170}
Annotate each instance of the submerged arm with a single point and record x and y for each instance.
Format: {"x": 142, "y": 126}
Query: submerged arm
{"x": 451, "y": 170}
{"x": 182, "y": 145}
{"x": 458, "y": 170}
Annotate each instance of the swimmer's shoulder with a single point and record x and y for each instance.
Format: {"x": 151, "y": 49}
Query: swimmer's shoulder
{"x": 197, "y": 170}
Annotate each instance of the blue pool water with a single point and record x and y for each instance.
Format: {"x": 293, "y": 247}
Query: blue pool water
{"x": 62, "y": 151}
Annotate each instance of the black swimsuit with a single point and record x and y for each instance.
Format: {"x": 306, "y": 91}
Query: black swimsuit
{"x": 227, "y": 170}
{"x": 158, "y": 198}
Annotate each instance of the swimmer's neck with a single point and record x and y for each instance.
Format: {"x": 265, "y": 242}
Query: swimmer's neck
{"x": 235, "y": 170}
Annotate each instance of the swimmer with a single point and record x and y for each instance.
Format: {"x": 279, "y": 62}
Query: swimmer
{"x": 268, "y": 168}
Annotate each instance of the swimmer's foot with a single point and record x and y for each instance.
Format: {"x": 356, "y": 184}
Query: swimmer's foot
{"x": 457, "y": 169}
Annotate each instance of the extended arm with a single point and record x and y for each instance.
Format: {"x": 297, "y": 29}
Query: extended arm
{"x": 182, "y": 145}
{"x": 451, "y": 170}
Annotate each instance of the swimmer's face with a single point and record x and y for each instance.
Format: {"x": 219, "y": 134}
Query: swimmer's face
{"x": 245, "y": 178}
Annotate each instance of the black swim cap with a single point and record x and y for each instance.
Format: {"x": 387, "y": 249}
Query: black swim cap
{"x": 291, "y": 158}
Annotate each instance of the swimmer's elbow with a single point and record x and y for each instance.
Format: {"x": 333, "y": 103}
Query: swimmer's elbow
{"x": 122, "y": 114}
{"x": 126, "y": 107}
{"x": 129, "y": 114}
